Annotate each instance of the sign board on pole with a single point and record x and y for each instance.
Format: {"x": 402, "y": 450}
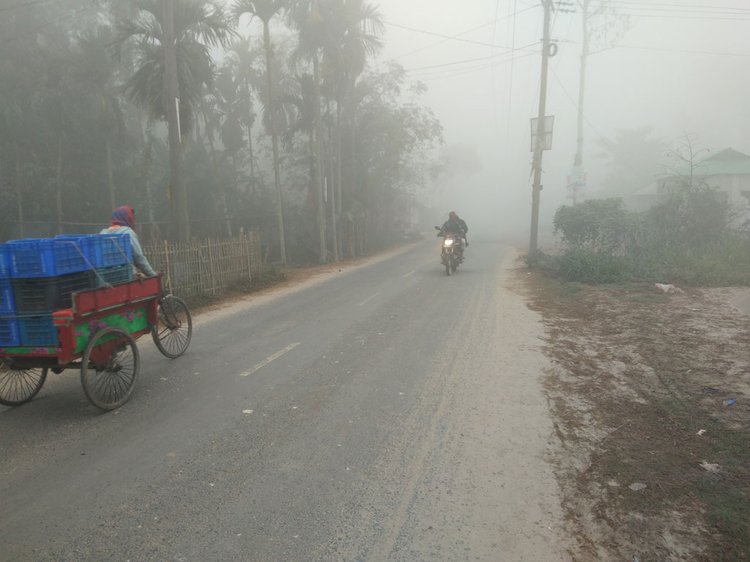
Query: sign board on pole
{"x": 549, "y": 123}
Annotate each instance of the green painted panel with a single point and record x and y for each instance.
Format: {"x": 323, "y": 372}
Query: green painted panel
{"x": 132, "y": 321}
{"x": 31, "y": 350}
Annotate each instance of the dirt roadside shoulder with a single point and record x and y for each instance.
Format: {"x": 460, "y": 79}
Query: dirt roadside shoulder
{"x": 295, "y": 279}
{"x": 651, "y": 398}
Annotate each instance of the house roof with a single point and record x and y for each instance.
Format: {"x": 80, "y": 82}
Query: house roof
{"x": 725, "y": 162}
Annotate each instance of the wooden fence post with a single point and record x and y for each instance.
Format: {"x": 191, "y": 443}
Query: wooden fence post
{"x": 169, "y": 274}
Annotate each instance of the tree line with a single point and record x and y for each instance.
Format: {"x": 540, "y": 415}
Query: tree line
{"x": 209, "y": 118}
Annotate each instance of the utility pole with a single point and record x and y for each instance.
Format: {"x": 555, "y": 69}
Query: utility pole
{"x": 582, "y": 81}
{"x": 540, "y": 134}
{"x": 178, "y": 196}
{"x": 578, "y": 160}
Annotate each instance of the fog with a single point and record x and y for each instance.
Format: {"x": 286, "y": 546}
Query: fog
{"x": 667, "y": 67}
{"x": 678, "y": 67}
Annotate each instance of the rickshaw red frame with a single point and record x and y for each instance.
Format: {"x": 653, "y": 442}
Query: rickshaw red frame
{"x": 97, "y": 334}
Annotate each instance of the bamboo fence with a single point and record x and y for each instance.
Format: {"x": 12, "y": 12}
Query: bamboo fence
{"x": 206, "y": 267}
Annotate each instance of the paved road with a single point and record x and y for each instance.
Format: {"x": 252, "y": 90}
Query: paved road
{"x": 388, "y": 413}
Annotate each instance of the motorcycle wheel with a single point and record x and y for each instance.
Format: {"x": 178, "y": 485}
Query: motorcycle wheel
{"x": 448, "y": 266}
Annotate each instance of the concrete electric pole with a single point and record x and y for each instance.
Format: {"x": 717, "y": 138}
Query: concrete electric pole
{"x": 539, "y": 138}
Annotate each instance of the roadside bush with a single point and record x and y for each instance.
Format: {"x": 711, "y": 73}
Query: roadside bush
{"x": 600, "y": 225}
{"x": 686, "y": 239}
{"x": 590, "y": 266}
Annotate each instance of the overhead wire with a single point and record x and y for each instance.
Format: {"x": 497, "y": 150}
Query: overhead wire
{"x": 475, "y": 59}
{"x": 22, "y": 5}
{"x": 573, "y": 101}
{"x": 446, "y": 38}
{"x": 662, "y": 6}
{"x": 484, "y": 66}
{"x": 510, "y": 72}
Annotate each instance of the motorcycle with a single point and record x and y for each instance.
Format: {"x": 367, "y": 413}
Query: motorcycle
{"x": 452, "y": 251}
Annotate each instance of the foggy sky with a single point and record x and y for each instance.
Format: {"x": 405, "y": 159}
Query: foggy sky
{"x": 658, "y": 74}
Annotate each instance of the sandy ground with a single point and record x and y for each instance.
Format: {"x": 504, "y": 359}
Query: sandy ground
{"x": 649, "y": 394}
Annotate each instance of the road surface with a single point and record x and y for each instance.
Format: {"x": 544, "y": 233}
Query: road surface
{"x": 385, "y": 412}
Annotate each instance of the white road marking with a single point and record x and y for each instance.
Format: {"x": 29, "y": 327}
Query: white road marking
{"x": 368, "y": 299}
{"x": 267, "y": 360}
{"x": 410, "y": 273}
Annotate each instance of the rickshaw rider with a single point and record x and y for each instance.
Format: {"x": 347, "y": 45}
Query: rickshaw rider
{"x": 123, "y": 222}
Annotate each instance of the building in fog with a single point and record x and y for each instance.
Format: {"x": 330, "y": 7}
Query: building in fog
{"x": 727, "y": 173}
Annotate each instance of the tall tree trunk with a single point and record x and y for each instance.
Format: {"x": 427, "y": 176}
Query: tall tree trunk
{"x": 274, "y": 144}
{"x": 249, "y": 125}
{"x": 110, "y": 177}
{"x": 252, "y": 157}
{"x": 318, "y": 162}
{"x": 146, "y": 134}
{"x": 330, "y": 188}
{"x": 178, "y": 196}
{"x": 224, "y": 207}
{"x": 215, "y": 164}
{"x": 58, "y": 183}
{"x": 339, "y": 184}
{"x": 19, "y": 193}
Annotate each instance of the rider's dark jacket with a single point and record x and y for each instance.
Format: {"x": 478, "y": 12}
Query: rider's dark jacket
{"x": 456, "y": 227}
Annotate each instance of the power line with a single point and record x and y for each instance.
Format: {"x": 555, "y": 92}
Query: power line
{"x": 477, "y": 59}
{"x": 438, "y": 74}
{"x": 456, "y": 36}
{"x": 668, "y": 50}
{"x": 670, "y": 6}
{"x": 573, "y": 101}
{"x": 690, "y": 17}
{"x": 29, "y": 4}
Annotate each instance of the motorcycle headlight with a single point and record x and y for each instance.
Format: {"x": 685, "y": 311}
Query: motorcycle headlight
{"x": 448, "y": 242}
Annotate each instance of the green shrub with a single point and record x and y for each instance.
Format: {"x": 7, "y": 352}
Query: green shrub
{"x": 687, "y": 239}
{"x": 587, "y": 266}
{"x": 602, "y": 225}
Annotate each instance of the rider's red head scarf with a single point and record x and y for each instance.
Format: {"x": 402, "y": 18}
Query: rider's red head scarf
{"x": 123, "y": 216}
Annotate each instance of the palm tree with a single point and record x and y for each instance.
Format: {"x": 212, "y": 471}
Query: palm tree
{"x": 302, "y": 98}
{"x": 241, "y": 61}
{"x": 95, "y": 77}
{"x": 195, "y": 26}
{"x": 307, "y": 17}
{"x": 265, "y": 10}
{"x": 354, "y": 30}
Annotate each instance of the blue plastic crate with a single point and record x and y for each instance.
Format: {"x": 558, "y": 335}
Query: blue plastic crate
{"x": 9, "y": 333}
{"x": 37, "y": 330}
{"x": 114, "y": 275}
{"x": 109, "y": 250}
{"x": 71, "y": 255}
{"x": 44, "y": 295}
{"x": 46, "y": 257}
{"x": 4, "y": 262}
{"x": 7, "y": 302}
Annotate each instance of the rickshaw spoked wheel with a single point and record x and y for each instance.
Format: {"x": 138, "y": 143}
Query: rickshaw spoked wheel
{"x": 109, "y": 368}
{"x": 174, "y": 327}
{"x": 18, "y": 386}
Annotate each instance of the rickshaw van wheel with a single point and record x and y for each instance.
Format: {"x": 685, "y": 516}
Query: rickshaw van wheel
{"x": 174, "y": 327}
{"x": 18, "y": 386}
{"x": 109, "y": 368}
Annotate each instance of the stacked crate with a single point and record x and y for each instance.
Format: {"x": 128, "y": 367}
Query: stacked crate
{"x": 39, "y": 276}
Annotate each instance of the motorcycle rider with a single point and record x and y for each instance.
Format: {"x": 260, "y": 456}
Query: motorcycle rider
{"x": 455, "y": 225}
